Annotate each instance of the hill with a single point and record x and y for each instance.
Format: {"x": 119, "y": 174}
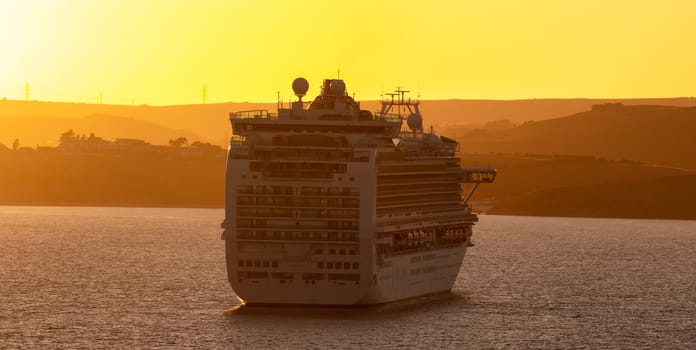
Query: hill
{"x": 522, "y": 174}
{"x": 190, "y": 177}
{"x": 26, "y": 120}
{"x": 45, "y": 131}
{"x": 652, "y": 134}
{"x": 112, "y": 179}
{"x": 577, "y": 186}
{"x": 670, "y": 197}
{"x": 210, "y": 121}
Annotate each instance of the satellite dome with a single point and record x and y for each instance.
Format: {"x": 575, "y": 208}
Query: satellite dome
{"x": 415, "y": 122}
{"x": 300, "y": 86}
{"x": 337, "y": 87}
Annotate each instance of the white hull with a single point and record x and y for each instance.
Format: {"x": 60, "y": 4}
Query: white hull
{"x": 416, "y": 274}
{"x": 395, "y": 278}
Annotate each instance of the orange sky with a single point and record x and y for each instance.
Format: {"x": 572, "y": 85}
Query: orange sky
{"x": 163, "y": 52}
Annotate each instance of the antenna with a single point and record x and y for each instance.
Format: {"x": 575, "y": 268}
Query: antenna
{"x": 204, "y": 94}
{"x": 100, "y": 98}
{"x": 26, "y": 92}
{"x": 338, "y": 75}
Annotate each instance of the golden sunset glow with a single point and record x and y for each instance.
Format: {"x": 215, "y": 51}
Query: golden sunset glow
{"x": 164, "y": 52}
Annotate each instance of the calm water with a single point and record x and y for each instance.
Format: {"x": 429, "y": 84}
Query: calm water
{"x": 155, "y": 278}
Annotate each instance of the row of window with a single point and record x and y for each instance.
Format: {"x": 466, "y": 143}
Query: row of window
{"x": 300, "y": 202}
{"x": 321, "y": 265}
{"x": 330, "y": 224}
{"x": 333, "y": 251}
{"x": 330, "y": 265}
{"x": 297, "y": 213}
{"x": 305, "y": 190}
{"x": 289, "y": 276}
{"x": 257, "y": 263}
{"x": 299, "y": 236}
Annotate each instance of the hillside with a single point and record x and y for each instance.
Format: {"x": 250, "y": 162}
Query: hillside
{"x": 526, "y": 184}
{"x": 45, "y": 131}
{"x": 555, "y": 166}
{"x": 519, "y": 175}
{"x": 30, "y": 121}
{"x": 111, "y": 179}
{"x": 670, "y": 197}
{"x": 651, "y": 134}
{"x": 209, "y": 122}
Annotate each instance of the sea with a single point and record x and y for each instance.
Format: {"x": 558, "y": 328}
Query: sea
{"x": 114, "y": 278}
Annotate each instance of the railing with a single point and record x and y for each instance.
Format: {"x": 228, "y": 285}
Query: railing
{"x": 258, "y": 113}
{"x": 236, "y": 141}
{"x": 388, "y": 117}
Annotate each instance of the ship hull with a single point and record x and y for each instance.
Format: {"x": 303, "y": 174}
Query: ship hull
{"x": 416, "y": 274}
{"x": 395, "y": 278}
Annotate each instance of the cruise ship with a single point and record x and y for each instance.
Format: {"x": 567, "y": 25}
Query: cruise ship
{"x": 331, "y": 204}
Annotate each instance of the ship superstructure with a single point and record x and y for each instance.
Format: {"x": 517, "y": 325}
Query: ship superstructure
{"x": 330, "y": 204}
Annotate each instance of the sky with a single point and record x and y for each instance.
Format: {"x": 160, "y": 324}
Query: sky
{"x": 164, "y": 52}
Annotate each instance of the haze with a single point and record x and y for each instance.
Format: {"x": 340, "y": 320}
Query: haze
{"x": 163, "y": 52}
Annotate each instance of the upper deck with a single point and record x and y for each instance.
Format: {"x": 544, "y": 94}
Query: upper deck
{"x": 332, "y": 111}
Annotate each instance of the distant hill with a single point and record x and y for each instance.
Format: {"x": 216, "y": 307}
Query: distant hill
{"x": 45, "y": 131}
{"x": 520, "y": 175}
{"x": 112, "y": 179}
{"x": 582, "y": 186}
{"x": 652, "y": 134}
{"x": 206, "y": 122}
{"x": 210, "y": 122}
{"x": 670, "y": 197}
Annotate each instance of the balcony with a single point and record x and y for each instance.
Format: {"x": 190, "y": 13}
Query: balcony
{"x": 254, "y": 114}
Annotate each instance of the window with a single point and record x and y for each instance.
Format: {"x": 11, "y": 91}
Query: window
{"x": 329, "y": 265}
{"x": 356, "y": 266}
{"x": 320, "y": 264}
{"x": 342, "y": 252}
{"x": 332, "y": 251}
{"x": 274, "y": 263}
{"x": 346, "y": 265}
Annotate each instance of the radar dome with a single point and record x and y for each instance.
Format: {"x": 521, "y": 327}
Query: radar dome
{"x": 300, "y": 86}
{"x": 415, "y": 122}
{"x": 337, "y": 87}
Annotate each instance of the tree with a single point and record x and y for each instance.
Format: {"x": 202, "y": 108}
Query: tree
{"x": 15, "y": 145}
{"x": 67, "y": 137}
{"x": 178, "y": 142}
